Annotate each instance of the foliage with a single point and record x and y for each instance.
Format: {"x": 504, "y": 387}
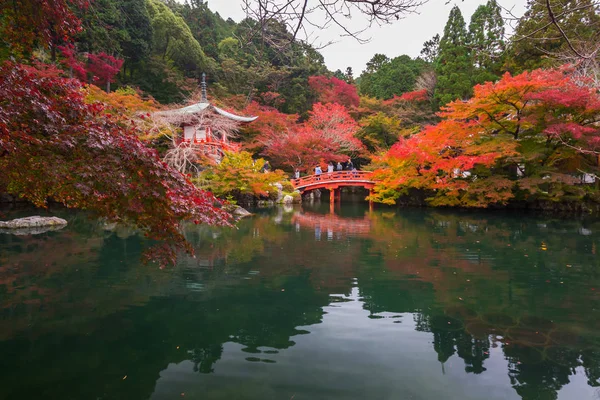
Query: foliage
{"x": 379, "y": 131}
{"x": 453, "y": 67}
{"x": 173, "y": 40}
{"x": 27, "y": 23}
{"x": 103, "y": 68}
{"x": 239, "y": 174}
{"x": 385, "y": 78}
{"x": 486, "y": 42}
{"x": 431, "y": 49}
{"x": 328, "y": 135}
{"x": 334, "y": 90}
{"x": 70, "y": 60}
{"x": 55, "y": 146}
{"x": 540, "y": 123}
{"x": 270, "y": 123}
{"x": 539, "y": 43}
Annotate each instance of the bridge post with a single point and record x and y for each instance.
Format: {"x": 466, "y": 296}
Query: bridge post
{"x": 370, "y": 201}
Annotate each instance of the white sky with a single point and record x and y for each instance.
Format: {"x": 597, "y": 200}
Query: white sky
{"x": 405, "y": 36}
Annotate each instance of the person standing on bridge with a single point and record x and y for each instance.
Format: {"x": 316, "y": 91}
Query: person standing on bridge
{"x": 297, "y": 174}
{"x": 318, "y": 172}
{"x": 349, "y": 165}
{"x": 338, "y": 166}
{"x": 330, "y": 167}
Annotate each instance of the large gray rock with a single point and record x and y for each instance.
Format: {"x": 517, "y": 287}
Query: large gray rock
{"x": 32, "y": 225}
{"x": 240, "y": 212}
{"x": 237, "y": 211}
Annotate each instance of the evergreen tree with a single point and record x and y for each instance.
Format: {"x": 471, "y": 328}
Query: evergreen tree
{"x": 349, "y": 77}
{"x": 453, "y": 67}
{"x": 172, "y": 40}
{"x": 538, "y": 43}
{"x": 138, "y": 41}
{"x": 385, "y": 78}
{"x": 486, "y": 42}
{"x": 431, "y": 49}
{"x": 339, "y": 74}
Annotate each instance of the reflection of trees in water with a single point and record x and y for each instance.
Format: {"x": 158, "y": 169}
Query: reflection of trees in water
{"x": 204, "y": 358}
{"x": 465, "y": 280}
{"x": 504, "y": 279}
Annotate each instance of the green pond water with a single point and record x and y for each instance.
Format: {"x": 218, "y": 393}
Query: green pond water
{"x": 300, "y": 303}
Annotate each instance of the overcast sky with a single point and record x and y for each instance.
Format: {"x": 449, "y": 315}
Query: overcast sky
{"x": 405, "y": 36}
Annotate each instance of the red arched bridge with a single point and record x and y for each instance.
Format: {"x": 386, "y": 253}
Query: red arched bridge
{"x": 334, "y": 181}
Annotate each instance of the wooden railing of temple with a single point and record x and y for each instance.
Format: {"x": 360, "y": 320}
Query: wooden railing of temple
{"x": 334, "y": 180}
{"x": 213, "y": 145}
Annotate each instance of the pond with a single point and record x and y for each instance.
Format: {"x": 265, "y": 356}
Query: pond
{"x": 300, "y": 303}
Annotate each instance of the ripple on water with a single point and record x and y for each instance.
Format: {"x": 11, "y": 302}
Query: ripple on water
{"x": 537, "y": 323}
{"x": 565, "y": 337}
{"x": 528, "y": 337}
{"x": 461, "y": 312}
{"x": 499, "y": 320}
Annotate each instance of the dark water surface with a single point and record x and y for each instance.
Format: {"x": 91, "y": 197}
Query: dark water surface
{"x": 304, "y": 304}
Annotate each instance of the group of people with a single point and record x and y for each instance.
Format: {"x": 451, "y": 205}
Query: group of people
{"x": 347, "y": 166}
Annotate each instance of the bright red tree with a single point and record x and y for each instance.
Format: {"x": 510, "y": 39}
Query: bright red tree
{"x": 45, "y": 22}
{"x": 328, "y": 135}
{"x": 55, "y": 146}
{"x": 104, "y": 68}
{"x": 76, "y": 67}
{"x": 334, "y": 90}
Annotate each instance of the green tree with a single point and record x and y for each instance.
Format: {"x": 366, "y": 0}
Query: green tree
{"x": 102, "y": 28}
{"x": 431, "y": 49}
{"x": 537, "y": 42}
{"x": 453, "y": 68}
{"x": 349, "y": 76}
{"x": 486, "y": 42}
{"x": 208, "y": 28}
{"x": 137, "y": 44}
{"x": 385, "y": 78}
{"x": 173, "y": 40}
{"x": 379, "y": 131}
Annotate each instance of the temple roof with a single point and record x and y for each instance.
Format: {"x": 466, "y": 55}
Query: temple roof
{"x": 203, "y": 105}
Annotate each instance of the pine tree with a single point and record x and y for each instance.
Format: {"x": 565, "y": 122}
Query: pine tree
{"x": 486, "y": 42}
{"x": 453, "y": 67}
{"x": 538, "y": 43}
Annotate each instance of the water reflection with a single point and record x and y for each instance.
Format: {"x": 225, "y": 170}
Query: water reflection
{"x": 305, "y": 303}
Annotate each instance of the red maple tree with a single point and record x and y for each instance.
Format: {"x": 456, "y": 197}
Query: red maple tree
{"x": 45, "y": 22}
{"x": 54, "y": 146}
{"x": 541, "y": 123}
{"x": 328, "y": 135}
{"x": 76, "y": 67}
{"x": 104, "y": 68}
{"x": 334, "y": 90}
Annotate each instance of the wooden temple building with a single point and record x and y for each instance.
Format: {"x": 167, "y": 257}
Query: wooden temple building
{"x": 206, "y": 127}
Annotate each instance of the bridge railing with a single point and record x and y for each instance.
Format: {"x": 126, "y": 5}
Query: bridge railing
{"x": 336, "y": 176}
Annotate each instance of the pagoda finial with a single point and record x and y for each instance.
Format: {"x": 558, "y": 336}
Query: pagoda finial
{"x": 203, "y": 86}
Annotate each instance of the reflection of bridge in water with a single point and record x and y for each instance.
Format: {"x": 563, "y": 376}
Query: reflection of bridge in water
{"x": 333, "y": 225}
{"x": 334, "y": 181}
